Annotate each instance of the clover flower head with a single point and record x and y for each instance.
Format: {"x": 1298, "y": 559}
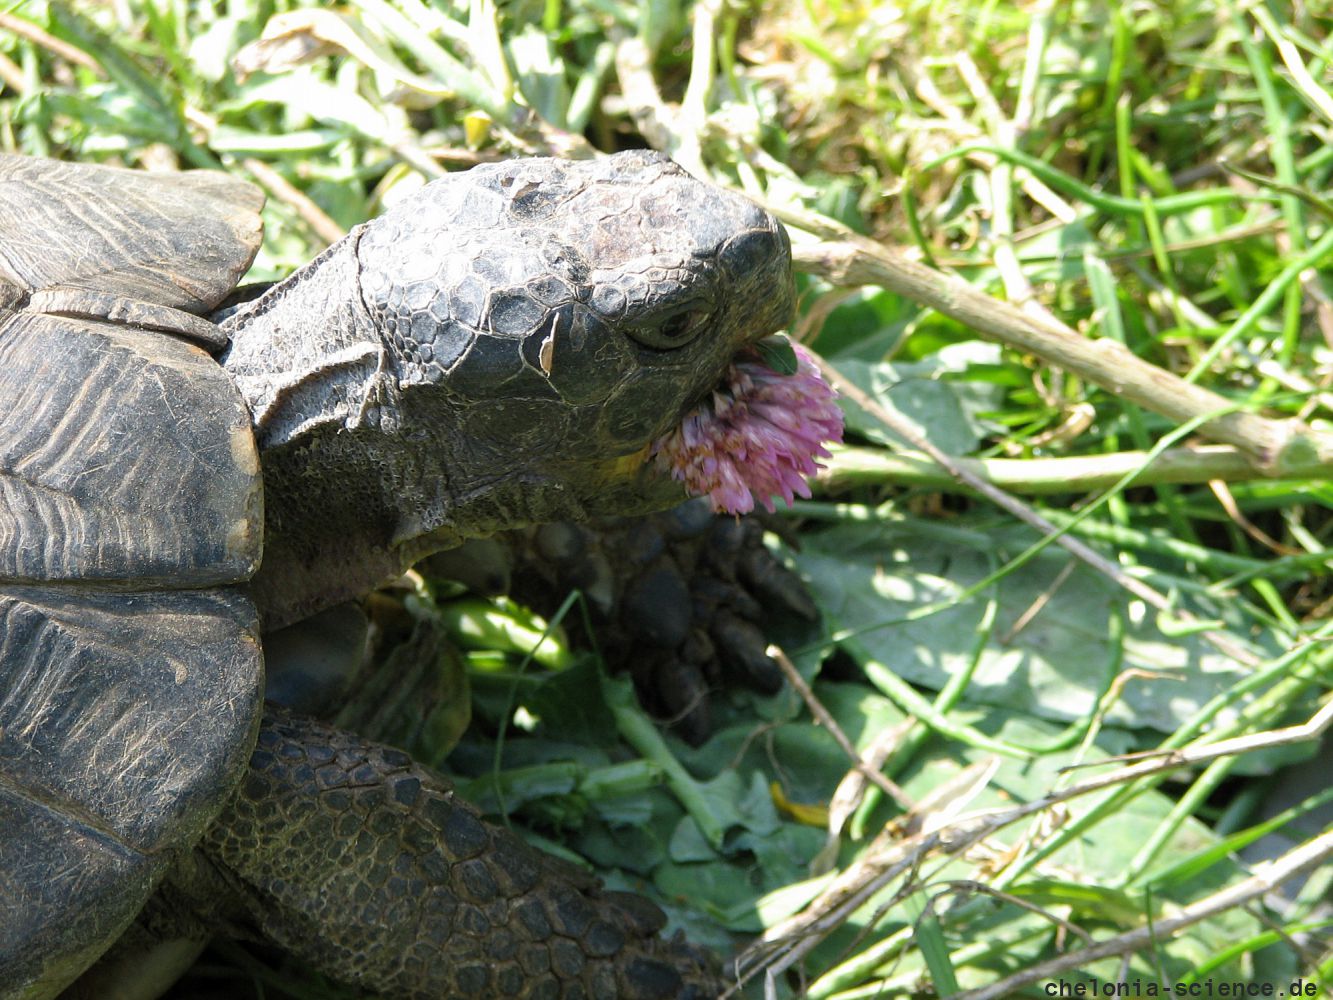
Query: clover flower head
{"x": 756, "y": 437}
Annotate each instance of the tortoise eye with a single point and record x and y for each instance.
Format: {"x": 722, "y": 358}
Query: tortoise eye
{"x": 675, "y": 330}
{"x": 678, "y": 326}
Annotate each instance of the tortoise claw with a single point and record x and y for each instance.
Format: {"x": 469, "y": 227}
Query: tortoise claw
{"x": 677, "y": 597}
{"x": 675, "y": 689}
{"x": 777, "y": 587}
{"x": 656, "y": 607}
{"x": 743, "y": 647}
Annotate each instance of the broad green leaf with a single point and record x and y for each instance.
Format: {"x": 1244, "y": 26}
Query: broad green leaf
{"x": 777, "y": 353}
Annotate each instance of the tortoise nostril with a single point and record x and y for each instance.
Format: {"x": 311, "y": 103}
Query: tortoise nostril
{"x": 750, "y": 251}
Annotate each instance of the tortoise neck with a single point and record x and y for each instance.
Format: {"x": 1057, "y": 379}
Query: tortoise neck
{"x": 317, "y": 377}
{"x": 306, "y": 354}
{"x": 358, "y": 485}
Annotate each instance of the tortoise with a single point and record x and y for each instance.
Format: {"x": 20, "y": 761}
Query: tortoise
{"x": 497, "y": 350}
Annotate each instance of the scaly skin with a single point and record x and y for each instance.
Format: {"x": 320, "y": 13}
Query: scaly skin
{"x": 366, "y": 865}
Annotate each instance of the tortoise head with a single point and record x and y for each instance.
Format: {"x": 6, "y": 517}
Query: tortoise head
{"x": 499, "y": 349}
{"x": 547, "y": 320}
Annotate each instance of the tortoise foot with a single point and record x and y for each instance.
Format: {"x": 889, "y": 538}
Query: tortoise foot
{"x": 679, "y": 597}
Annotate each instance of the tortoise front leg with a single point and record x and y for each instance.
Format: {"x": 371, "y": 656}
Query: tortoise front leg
{"x": 680, "y": 598}
{"x": 356, "y": 859}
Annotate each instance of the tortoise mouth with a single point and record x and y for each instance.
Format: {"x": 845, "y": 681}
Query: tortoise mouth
{"x": 632, "y": 484}
{"x": 757, "y": 436}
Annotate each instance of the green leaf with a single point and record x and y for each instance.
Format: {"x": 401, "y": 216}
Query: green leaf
{"x": 1085, "y": 902}
{"x": 930, "y": 939}
{"x": 895, "y": 594}
{"x": 926, "y": 393}
{"x": 776, "y": 352}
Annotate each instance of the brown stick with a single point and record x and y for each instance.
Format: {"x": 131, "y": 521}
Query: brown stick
{"x": 1273, "y": 445}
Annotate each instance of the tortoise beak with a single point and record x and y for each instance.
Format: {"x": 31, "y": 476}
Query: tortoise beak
{"x": 760, "y": 258}
{"x": 631, "y": 484}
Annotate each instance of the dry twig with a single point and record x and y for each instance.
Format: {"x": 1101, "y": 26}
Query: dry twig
{"x": 892, "y": 854}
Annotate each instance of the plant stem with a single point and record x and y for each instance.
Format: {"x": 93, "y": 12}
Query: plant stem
{"x": 852, "y": 466}
{"x": 1274, "y": 446}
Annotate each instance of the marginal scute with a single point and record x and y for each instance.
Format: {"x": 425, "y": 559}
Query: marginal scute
{"x": 123, "y": 457}
{"x": 44, "y": 940}
{"x": 181, "y": 240}
{"x": 137, "y": 755}
{"x": 127, "y": 464}
{"x": 101, "y": 784}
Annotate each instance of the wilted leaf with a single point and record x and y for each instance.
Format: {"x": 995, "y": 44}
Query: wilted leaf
{"x": 299, "y": 36}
